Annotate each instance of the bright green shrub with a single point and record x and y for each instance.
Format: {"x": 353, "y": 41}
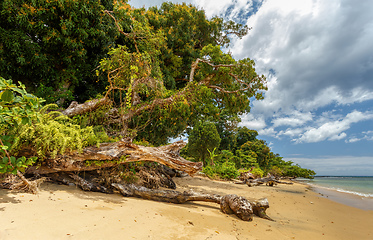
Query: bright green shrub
{"x": 257, "y": 172}
{"x": 226, "y": 170}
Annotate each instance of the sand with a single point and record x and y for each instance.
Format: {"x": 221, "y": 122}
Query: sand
{"x": 63, "y": 212}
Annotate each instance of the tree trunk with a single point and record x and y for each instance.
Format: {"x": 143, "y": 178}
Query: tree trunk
{"x": 229, "y": 204}
{"x": 112, "y": 154}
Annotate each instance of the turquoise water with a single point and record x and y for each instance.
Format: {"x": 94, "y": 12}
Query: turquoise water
{"x": 359, "y": 186}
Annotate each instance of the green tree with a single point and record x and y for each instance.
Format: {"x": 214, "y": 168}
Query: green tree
{"x": 187, "y": 31}
{"x": 244, "y": 135}
{"x": 54, "y": 46}
{"x": 259, "y": 150}
{"x": 203, "y": 138}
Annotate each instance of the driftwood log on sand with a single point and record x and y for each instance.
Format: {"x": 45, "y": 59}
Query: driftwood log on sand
{"x": 269, "y": 181}
{"x": 229, "y": 204}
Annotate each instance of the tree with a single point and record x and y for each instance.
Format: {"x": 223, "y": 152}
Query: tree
{"x": 244, "y": 135}
{"x": 187, "y": 31}
{"x": 54, "y": 46}
{"x": 203, "y": 138}
{"x": 260, "y": 151}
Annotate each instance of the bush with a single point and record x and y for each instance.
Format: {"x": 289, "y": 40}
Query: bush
{"x": 226, "y": 170}
{"x": 257, "y": 172}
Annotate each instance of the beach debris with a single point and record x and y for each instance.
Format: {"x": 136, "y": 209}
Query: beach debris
{"x": 230, "y": 204}
{"x": 269, "y": 181}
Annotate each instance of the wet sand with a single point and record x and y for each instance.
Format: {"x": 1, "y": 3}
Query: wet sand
{"x": 62, "y": 212}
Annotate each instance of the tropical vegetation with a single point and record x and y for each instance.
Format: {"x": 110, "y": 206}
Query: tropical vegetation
{"x": 150, "y": 75}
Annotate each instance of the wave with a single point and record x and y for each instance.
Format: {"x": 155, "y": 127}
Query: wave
{"x": 365, "y": 195}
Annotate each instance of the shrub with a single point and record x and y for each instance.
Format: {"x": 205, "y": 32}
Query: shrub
{"x": 257, "y": 172}
{"x": 226, "y": 170}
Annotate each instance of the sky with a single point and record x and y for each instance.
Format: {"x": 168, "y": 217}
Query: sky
{"x": 318, "y": 60}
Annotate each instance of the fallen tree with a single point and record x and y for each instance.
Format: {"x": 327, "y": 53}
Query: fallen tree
{"x": 229, "y": 204}
{"x": 113, "y": 154}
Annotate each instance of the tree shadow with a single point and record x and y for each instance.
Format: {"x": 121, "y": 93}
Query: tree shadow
{"x": 5, "y": 197}
{"x": 79, "y": 193}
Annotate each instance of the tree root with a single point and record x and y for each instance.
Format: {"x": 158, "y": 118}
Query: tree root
{"x": 20, "y": 183}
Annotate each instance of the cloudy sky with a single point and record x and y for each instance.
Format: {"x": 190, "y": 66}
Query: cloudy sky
{"x": 318, "y": 59}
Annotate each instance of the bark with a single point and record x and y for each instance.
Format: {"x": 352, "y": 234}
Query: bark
{"x": 113, "y": 154}
{"x": 229, "y": 204}
{"x": 77, "y": 109}
{"x": 269, "y": 181}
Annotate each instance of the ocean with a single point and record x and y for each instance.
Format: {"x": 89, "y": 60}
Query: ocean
{"x": 353, "y": 191}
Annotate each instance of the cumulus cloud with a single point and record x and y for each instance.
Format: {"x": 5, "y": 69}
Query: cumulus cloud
{"x": 366, "y": 135}
{"x": 251, "y": 122}
{"x": 333, "y": 130}
{"x": 296, "y": 118}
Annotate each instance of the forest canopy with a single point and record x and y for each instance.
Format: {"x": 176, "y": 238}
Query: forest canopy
{"x": 142, "y": 75}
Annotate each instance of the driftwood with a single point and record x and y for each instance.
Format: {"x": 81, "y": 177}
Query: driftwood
{"x": 113, "y": 154}
{"x": 269, "y": 181}
{"x": 229, "y": 204}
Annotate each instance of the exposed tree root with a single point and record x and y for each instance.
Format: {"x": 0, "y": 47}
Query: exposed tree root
{"x": 20, "y": 183}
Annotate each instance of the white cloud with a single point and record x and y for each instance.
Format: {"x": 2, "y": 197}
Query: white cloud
{"x": 367, "y": 135}
{"x": 267, "y": 132}
{"x": 295, "y": 119}
{"x": 291, "y": 132}
{"x": 352, "y": 140}
{"x": 333, "y": 130}
{"x": 217, "y": 7}
{"x": 253, "y": 123}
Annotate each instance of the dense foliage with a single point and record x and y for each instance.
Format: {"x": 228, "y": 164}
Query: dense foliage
{"x": 247, "y": 153}
{"x": 53, "y": 46}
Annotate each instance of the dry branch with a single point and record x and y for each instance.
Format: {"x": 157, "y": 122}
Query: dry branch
{"x": 77, "y": 109}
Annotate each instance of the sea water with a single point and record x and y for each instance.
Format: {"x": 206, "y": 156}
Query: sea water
{"x": 359, "y": 186}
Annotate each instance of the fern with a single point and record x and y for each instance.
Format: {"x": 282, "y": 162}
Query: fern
{"x": 52, "y": 134}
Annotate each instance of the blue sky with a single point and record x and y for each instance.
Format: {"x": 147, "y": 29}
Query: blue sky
{"x": 318, "y": 59}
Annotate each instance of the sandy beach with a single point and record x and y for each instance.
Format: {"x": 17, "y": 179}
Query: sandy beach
{"x": 63, "y": 212}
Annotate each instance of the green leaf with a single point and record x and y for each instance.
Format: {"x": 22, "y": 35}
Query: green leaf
{"x": 5, "y": 160}
{"x": 25, "y": 120}
{"x": 14, "y": 172}
{"x": 13, "y": 160}
{"x": 7, "y": 96}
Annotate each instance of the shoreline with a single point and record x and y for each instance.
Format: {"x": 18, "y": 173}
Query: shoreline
{"x": 346, "y": 198}
{"x": 349, "y": 199}
{"x": 63, "y": 212}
